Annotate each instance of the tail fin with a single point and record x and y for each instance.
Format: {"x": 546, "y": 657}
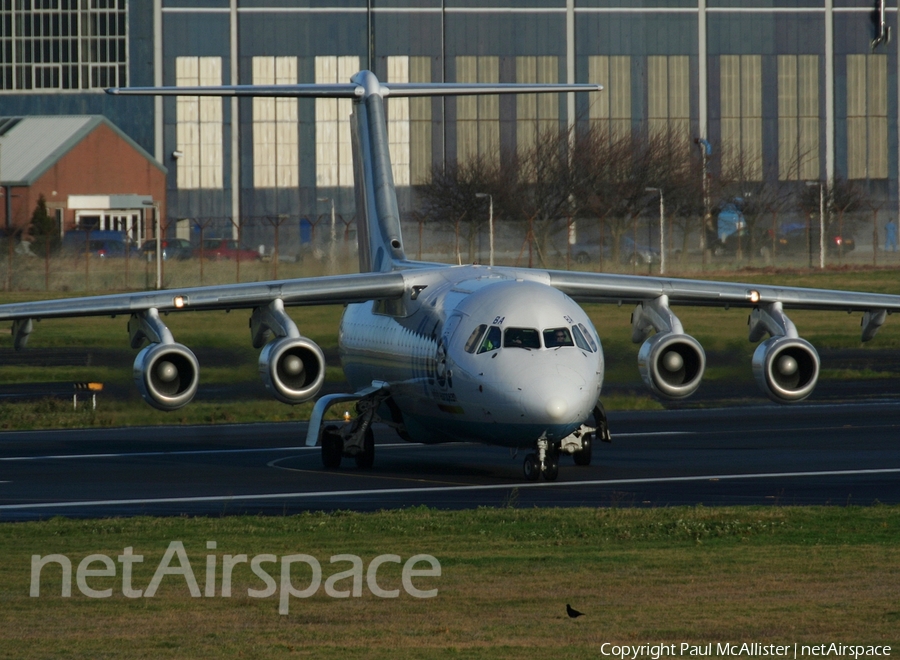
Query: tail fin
{"x": 377, "y": 212}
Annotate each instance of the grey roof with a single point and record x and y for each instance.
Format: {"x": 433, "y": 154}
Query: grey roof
{"x": 34, "y": 144}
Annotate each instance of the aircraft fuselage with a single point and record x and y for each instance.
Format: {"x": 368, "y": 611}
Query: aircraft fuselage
{"x": 478, "y": 354}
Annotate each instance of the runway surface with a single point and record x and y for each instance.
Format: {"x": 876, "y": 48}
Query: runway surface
{"x": 810, "y": 454}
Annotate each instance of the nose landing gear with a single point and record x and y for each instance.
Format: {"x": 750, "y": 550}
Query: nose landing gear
{"x": 545, "y": 462}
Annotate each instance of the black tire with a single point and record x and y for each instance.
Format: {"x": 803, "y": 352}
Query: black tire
{"x": 332, "y": 448}
{"x": 551, "y": 466}
{"x": 583, "y": 456}
{"x": 531, "y": 468}
{"x": 366, "y": 459}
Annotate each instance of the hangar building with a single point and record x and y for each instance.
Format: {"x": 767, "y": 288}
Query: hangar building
{"x": 796, "y": 89}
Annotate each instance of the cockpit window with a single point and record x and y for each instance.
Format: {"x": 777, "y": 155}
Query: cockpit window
{"x": 580, "y": 341}
{"x": 474, "y": 338}
{"x": 556, "y": 337}
{"x": 589, "y": 337}
{"x": 491, "y": 340}
{"x": 521, "y": 338}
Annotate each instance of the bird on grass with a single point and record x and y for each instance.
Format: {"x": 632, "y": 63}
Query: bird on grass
{"x": 573, "y": 613}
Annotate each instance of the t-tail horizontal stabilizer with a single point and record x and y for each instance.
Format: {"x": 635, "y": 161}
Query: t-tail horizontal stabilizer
{"x": 377, "y": 211}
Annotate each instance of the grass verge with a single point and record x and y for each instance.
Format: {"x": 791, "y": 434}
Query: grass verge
{"x": 695, "y": 575}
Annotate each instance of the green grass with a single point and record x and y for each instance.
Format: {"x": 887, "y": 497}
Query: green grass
{"x": 695, "y": 575}
{"x": 723, "y": 333}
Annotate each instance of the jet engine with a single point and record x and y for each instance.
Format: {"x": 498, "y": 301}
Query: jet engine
{"x": 786, "y": 368}
{"x": 166, "y": 375}
{"x": 292, "y": 369}
{"x": 672, "y": 364}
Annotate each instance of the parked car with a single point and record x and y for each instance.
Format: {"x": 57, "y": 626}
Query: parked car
{"x": 226, "y": 248}
{"x": 629, "y": 254}
{"x": 100, "y": 243}
{"x": 793, "y": 240}
{"x": 172, "y": 248}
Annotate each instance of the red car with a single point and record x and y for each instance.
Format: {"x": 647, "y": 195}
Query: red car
{"x": 225, "y": 248}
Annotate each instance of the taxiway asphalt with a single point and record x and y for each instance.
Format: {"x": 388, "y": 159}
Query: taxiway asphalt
{"x": 810, "y": 454}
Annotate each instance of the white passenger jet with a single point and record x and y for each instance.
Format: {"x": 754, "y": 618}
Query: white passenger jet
{"x": 441, "y": 353}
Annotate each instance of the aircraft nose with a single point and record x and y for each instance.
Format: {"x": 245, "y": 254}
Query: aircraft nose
{"x": 557, "y": 409}
{"x": 559, "y": 400}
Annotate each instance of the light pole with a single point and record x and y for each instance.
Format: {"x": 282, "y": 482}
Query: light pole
{"x": 333, "y": 226}
{"x": 821, "y": 221}
{"x": 662, "y": 232}
{"x": 157, "y": 228}
{"x": 705, "y": 153}
{"x": 490, "y": 222}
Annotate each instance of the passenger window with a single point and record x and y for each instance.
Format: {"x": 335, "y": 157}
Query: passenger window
{"x": 491, "y": 340}
{"x": 588, "y": 336}
{"x": 556, "y": 337}
{"x": 580, "y": 341}
{"x": 521, "y": 338}
{"x": 474, "y": 338}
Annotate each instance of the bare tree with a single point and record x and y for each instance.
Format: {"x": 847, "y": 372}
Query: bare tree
{"x": 841, "y": 197}
{"x": 615, "y": 172}
{"x": 451, "y": 197}
{"x": 541, "y": 189}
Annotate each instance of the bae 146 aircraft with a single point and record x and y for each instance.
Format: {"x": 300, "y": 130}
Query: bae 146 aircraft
{"x": 441, "y": 353}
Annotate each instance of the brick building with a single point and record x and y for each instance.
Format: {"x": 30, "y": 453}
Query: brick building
{"x": 90, "y": 173}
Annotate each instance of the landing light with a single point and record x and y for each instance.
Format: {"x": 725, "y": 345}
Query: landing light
{"x": 753, "y": 296}
{"x": 178, "y": 302}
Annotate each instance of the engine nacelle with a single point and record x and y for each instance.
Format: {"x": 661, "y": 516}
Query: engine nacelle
{"x": 672, "y": 364}
{"x": 292, "y": 369}
{"x": 166, "y": 375}
{"x": 786, "y": 368}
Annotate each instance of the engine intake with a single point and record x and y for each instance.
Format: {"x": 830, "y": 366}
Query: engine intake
{"x": 672, "y": 364}
{"x": 786, "y": 368}
{"x": 292, "y": 369}
{"x": 166, "y": 375}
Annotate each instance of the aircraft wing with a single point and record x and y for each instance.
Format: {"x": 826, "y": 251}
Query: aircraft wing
{"x": 333, "y": 290}
{"x": 610, "y": 288}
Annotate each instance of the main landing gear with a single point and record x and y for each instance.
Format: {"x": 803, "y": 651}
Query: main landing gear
{"x": 579, "y": 444}
{"x": 354, "y": 439}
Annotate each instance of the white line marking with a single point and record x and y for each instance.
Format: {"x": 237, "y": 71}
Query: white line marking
{"x": 444, "y": 489}
{"x": 190, "y": 452}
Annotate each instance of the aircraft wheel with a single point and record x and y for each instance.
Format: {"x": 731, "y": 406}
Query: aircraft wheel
{"x": 583, "y": 456}
{"x": 551, "y": 466}
{"x": 332, "y": 448}
{"x": 366, "y": 459}
{"x": 531, "y": 467}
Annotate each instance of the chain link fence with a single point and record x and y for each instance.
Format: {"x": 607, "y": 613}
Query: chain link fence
{"x": 218, "y": 250}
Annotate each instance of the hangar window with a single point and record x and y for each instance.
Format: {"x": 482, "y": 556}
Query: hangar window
{"x": 199, "y": 128}
{"x": 537, "y": 114}
{"x": 798, "y": 117}
{"x": 610, "y": 112}
{"x": 867, "y": 116}
{"x": 741, "y": 121}
{"x": 668, "y": 98}
{"x": 276, "y": 153}
{"x": 54, "y": 44}
{"x": 478, "y": 117}
{"x": 334, "y": 156}
{"x": 409, "y": 122}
